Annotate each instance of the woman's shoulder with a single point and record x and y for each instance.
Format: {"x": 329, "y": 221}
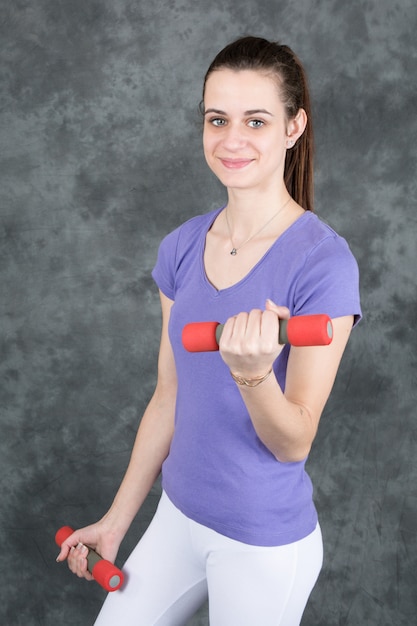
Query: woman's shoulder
{"x": 312, "y": 227}
{"x": 326, "y": 274}
{"x": 312, "y": 235}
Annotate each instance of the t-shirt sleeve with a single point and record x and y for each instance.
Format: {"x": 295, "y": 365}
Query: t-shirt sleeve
{"x": 164, "y": 271}
{"x": 329, "y": 282}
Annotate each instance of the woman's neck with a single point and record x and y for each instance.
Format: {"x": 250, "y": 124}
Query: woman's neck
{"x": 247, "y": 211}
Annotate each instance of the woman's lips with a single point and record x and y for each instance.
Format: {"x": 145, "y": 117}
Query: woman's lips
{"x": 235, "y": 164}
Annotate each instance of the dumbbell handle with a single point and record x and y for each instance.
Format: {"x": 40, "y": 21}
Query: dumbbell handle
{"x": 104, "y": 572}
{"x": 302, "y": 330}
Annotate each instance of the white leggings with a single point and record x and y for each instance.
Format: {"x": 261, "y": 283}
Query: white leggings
{"x": 179, "y": 563}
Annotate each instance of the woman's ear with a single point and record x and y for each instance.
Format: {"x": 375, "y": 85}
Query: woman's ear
{"x": 296, "y": 127}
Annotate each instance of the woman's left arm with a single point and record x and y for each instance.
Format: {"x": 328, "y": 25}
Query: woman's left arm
{"x": 287, "y": 422}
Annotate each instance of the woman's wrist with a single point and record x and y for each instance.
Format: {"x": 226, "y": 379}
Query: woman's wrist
{"x": 250, "y": 382}
{"x": 117, "y": 521}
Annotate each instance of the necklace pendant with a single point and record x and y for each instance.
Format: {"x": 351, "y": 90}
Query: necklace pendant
{"x": 233, "y": 252}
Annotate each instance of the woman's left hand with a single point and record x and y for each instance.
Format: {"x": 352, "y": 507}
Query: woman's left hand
{"x": 249, "y": 341}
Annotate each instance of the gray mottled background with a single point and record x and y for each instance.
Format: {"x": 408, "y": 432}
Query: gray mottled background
{"x": 100, "y": 157}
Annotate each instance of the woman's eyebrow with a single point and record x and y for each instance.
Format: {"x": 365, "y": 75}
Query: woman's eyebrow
{"x": 249, "y": 112}
{"x": 217, "y": 111}
{"x": 255, "y": 111}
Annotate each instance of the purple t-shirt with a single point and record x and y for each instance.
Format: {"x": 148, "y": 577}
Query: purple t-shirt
{"x": 218, "y": 472}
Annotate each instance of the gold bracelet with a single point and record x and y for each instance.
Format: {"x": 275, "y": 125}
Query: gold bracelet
{"x": 250, "y": 382}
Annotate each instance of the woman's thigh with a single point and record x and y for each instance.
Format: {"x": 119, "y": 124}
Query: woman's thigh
{"x": 165, "y": 584}
{"x": 270, "y": 586}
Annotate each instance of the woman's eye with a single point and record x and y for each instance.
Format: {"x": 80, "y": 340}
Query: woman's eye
{"x": 256, "y": 123}
{"x": 217, "y": 121}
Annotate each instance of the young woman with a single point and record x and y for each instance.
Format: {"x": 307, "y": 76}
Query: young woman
{"x": 232, "y": 429}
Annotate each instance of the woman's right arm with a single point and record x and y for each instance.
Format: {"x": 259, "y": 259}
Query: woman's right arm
{"x": 150, "y": 449}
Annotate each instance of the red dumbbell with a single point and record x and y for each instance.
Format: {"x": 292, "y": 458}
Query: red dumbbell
{"x": 104, "y": 572}
{"x": 302, "y": 330}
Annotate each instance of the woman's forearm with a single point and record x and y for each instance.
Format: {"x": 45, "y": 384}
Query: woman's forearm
{"x": 150, "y": 449}
{"x": 285, "y": 428}
{"x": 287, "y": 422}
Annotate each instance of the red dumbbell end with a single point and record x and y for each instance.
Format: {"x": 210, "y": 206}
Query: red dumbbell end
{"x": 310, "y": 330}
{"x": 200, "y": 336}
{"x": 62, "y": 534}
{"x": 107, "y": 575}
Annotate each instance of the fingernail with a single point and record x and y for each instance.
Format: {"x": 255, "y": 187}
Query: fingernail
{"x": 57, "y": 559}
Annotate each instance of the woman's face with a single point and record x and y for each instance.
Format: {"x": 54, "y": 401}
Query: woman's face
{"x": 245, "y": 129}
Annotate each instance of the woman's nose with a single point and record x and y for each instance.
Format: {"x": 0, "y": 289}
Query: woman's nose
{"x": 234, "y": 137}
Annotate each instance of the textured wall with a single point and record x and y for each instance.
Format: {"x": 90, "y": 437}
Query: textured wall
{"x": 100, "y": 157}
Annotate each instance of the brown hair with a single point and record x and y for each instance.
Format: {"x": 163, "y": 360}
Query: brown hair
{"x": 254, "y": 53}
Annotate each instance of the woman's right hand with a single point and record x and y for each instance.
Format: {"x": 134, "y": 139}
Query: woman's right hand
{"x": 74, "y": 549}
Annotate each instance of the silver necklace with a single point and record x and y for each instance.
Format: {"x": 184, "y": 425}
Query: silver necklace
{"x": 234, "y": 250}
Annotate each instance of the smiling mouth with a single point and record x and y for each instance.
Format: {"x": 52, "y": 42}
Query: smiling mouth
{"x": 235, "y": 164}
